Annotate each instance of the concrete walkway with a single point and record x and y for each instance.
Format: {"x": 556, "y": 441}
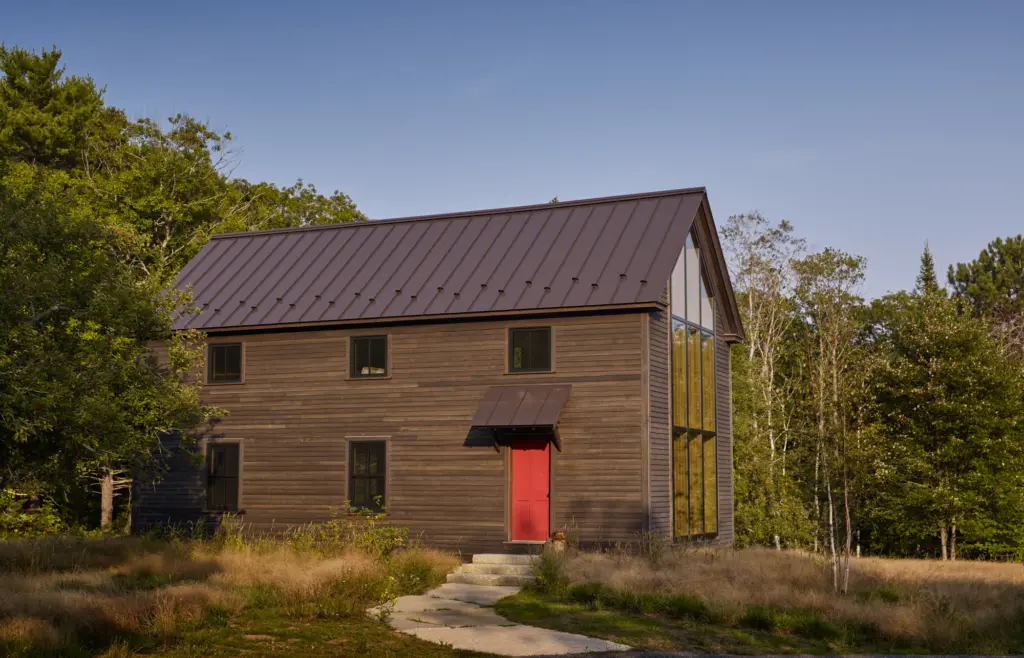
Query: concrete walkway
{"x": 460, "y": 615}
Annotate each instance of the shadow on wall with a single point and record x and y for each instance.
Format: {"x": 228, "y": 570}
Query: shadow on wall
{"x": 170, "y": 490}
{"x": 601, "y": 523}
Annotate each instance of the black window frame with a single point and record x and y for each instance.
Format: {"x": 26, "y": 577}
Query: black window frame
{"x": 211, "y": 377}
{"x": 372, "y": 505}
{"x": 512, "y": 345}
{"x": 223, "y": 481}
{"x": 352, "y": 370}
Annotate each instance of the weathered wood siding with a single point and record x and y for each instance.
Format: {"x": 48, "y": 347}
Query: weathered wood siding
{"x": 171, "y": 491}
{"x": 660, "y": 424}
{"x": 297, "y": 410}
{"x": 723, "y": 386}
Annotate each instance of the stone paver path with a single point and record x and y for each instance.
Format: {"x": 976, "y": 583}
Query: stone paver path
{"x": 454, "y": 614}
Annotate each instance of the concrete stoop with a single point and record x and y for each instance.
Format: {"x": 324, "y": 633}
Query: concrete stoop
{"x": 495, "y": 569}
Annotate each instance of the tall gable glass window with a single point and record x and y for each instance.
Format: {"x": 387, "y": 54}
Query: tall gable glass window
{"x": 694, "y": 446}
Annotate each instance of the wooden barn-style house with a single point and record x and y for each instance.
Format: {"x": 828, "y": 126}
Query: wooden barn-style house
{"x": 486, "y": 378}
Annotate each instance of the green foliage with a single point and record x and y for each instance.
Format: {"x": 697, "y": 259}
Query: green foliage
{"x": 993, "y": 284}
{"x": 17, "y": 521}
{"x": 100, "y": 213}
{"x": 549, "y": 571}
{"x": 951, "y": 406}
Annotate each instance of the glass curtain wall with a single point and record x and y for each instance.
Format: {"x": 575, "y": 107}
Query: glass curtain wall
{"x": 694, "y": 448}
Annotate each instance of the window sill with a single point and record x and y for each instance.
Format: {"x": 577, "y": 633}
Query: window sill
{"x": 239, "y": 383}
{"x": 374, "y": 378}
{"x": 531, "y": 372}
{"x": 221, "y": 512}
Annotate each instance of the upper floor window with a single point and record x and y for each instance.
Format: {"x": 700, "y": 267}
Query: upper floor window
{"x": 692, "y": 300}
{"x": 224, "y": 363}
{"x": 529, "y": 349}
{"x": 369, "y": 356}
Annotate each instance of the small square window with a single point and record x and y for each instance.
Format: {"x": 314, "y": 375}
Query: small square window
{"x": 224, "y": 363}
{"x": 369, "y": 356}
{"x": 529, "y": 350}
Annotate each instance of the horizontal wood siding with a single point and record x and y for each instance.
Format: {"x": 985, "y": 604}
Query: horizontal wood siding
{"x": 298, "y": 409}
{"x": 171, "y": 491}
{"x": 723, "y": 384}
{"x": 660, "y": 425}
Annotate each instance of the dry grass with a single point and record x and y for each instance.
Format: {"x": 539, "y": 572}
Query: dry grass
{"x": 68, "y": 595}
{"x": 929, "y": 604}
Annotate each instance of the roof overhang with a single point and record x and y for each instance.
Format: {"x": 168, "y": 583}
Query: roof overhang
{"x": 510, "y": 413}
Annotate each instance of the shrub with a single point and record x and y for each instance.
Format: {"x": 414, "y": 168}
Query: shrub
{"x": 549, "y": 570}
{"x": 684, "y": 606}
{"x": 758, "y": 617}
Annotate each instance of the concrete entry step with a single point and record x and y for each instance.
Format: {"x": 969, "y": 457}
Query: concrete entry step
{"x": 502, "y": 558}
{"x": 503, "y": 569}
{"x": 489, "y": 579}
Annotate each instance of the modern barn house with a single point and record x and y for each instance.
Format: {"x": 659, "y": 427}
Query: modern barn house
{"x": 486, "y": 377}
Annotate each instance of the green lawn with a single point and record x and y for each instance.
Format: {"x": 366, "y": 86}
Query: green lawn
{"x": 272, "y": 633}
{"x": 658, "y": 632}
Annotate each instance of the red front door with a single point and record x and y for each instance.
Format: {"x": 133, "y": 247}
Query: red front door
{"x": 531, "y": 465}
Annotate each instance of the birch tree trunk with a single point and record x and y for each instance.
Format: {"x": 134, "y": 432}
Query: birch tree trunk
{"x": 952, "y": 543}
{"x": 106, "y": 500}
{"x": 942, "y": 541}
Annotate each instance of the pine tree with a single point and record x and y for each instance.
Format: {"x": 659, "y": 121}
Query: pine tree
{"x": 927, "y": 282}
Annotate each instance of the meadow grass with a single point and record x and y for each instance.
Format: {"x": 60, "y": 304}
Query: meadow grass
{"x": 79, "y": 596}
{"x": 769, "y": 600}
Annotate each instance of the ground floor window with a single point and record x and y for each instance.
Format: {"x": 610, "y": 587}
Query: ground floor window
{"x": 222, "y": 469}
{"x": 367, "y": 475}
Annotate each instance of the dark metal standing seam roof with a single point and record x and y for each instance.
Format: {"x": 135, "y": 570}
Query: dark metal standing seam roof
{"x": 596, "y": 252}
{"x": 533, "y": 405}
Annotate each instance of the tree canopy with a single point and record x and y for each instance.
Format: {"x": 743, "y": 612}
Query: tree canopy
{"x": 99, "y": 213}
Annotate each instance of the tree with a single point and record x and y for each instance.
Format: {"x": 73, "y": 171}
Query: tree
{"x": 993, "y": 286}
{"x": 826, "y": 291}
{"x": 104, "y": 212}
{"x": 761, "y": 263}
{"x": 951, "y": 406}
{"x": 80, "y": 393}
{"x": 164, "y": 189}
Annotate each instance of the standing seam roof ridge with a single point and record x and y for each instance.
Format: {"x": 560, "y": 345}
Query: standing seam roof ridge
{"x": 469, "y": 214}
{"x": 625, "y": 225}
{"x": 409, "y": 278}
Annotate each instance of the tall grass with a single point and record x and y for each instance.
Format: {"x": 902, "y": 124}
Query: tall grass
{"x": 910, "y": 604}
{"x": 76, "y": 596}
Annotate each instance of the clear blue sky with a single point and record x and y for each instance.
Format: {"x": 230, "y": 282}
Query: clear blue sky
{"x": 873, "y": 127}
